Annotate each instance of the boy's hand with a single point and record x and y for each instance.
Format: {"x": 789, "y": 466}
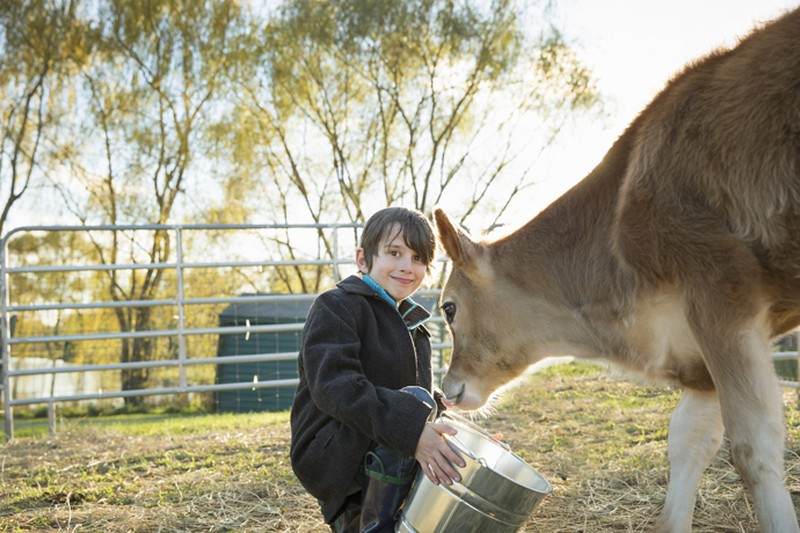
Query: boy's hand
{"x": 435, "y": 456}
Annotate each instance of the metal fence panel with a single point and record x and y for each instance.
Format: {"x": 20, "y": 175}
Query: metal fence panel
{"x": 183, "y": 328}
{"x": 49, "y": 379}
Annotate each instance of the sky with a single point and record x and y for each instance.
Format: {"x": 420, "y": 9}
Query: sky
{"x": 634, "y": 47}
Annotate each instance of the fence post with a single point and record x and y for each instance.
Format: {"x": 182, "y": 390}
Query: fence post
{"x": 181, "y": 310}
{"x": 5, "y": 333}
{"x": 51, "y": 418}
{"x": 336, "y": 254}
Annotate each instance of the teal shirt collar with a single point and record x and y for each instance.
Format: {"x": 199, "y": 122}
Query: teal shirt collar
{"x": 377, "y": 288}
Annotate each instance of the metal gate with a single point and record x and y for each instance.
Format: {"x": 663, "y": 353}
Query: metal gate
{"x": 23, "y": 267}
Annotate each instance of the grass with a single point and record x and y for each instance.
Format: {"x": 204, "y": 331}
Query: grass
{"x": 601, "y": 443}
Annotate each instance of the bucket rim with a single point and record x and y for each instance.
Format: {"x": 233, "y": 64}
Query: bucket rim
{"x": 462, "y": 448}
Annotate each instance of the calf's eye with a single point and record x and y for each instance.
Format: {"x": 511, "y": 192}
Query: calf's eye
{"x": 449, "y": 309}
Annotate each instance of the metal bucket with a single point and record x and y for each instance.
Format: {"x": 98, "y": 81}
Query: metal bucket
{"x": 498, "y": 491}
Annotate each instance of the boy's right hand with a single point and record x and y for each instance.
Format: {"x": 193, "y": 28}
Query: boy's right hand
{"x": 435, "y": 456}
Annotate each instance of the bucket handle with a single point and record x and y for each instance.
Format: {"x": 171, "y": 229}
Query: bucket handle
{"x": 472, "y": 425}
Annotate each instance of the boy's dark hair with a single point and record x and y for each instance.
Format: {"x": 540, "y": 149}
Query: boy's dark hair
{"x": 417, "y": 232}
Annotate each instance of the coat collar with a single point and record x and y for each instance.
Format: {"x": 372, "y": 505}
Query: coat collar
{"x": 413, "y": 313}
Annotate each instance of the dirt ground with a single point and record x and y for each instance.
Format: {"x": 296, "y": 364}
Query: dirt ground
{"x": 600, "y": 442}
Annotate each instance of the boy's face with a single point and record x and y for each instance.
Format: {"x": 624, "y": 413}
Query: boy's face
{"x": 397, "y": 268}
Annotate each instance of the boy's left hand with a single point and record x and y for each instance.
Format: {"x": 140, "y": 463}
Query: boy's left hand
{"x": 435, "y": 456}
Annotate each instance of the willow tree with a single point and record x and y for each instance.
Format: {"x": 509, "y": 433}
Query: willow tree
{"x": 156, "y": 70}
{"x": 355, "y": 104}
{"x": 41, "y": 44}
{"x": 413, "y": 101}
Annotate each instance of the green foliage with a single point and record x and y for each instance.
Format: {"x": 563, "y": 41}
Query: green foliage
{"x": 325, "y": 105}
{"x": 398, "y": 97}
{"x": 41, "y": 48}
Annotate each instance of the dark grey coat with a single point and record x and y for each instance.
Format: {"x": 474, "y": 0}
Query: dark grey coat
{"x": 356, "y": 353}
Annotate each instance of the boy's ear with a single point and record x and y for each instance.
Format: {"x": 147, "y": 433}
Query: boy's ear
{"x": 361, "y": 261}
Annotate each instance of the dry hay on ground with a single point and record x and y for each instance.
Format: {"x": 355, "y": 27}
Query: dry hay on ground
{"x": 600, "y": 442}
{"x": 95, "y": 481}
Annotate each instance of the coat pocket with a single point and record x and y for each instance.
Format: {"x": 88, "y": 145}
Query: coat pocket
{"x": 332, "y": 463}
{"x": 312, "y": 464}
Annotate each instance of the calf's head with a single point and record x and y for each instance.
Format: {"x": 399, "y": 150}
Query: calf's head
{"x": 482, "y": 311}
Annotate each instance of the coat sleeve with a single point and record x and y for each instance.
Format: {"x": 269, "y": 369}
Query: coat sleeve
{"x": 339, "y": 387}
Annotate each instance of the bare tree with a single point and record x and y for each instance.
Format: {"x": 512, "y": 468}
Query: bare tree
{"x": 418, "y": 102}
{"x": 156, "y": 70}
{"x": 36, "y": 61}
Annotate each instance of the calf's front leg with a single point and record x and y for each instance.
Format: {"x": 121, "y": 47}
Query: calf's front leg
{"x": 695, "y": 434}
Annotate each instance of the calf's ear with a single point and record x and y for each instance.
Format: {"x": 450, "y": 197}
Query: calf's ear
{"x": 459, "y": 247}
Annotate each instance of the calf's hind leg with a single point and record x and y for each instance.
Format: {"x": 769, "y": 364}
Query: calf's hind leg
{"x": 695, "y": 434}
{"x": 752, "y": 412}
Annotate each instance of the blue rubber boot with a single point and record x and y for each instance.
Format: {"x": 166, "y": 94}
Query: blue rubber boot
{"x": 388, "y": 476}
{"x": 349, "y": 520}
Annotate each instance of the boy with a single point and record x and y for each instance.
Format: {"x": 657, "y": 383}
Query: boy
{"x": 355, "y": 433}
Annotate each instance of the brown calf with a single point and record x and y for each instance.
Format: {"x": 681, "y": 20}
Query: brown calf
{"x": 677, "y": 257}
